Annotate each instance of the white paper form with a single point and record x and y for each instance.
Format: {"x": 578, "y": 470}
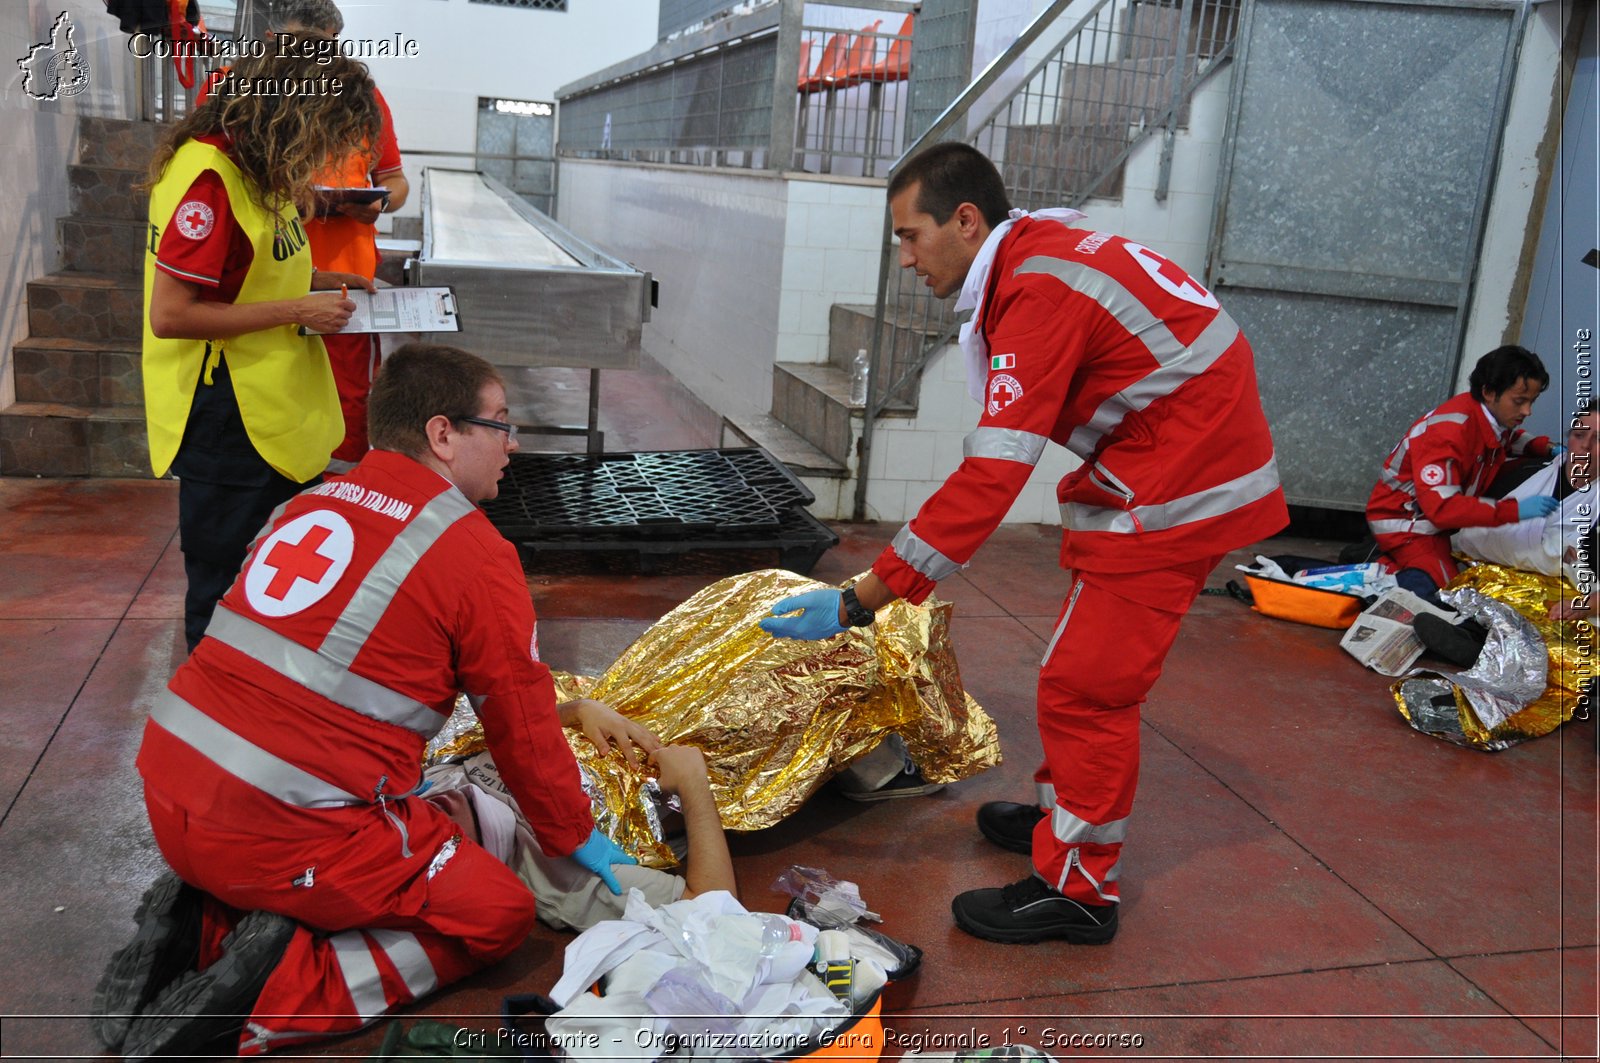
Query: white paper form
{"x": 401, "y": 310}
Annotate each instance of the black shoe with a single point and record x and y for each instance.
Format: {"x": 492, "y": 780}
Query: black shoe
{"x": 203, "y": 1008}
{"x": 908, "y": 783}
{"x": 1029, "y": 911}
{"x": 1008, "y": 824}
{"x": 1459, "y": 644}
{"x": 166, "y": 945}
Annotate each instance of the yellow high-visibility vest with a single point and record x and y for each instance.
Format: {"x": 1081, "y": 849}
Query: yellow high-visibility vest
{"x": 281, "y": 379}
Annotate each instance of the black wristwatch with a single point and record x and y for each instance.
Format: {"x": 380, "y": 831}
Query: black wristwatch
{"x": 857, "y": 614}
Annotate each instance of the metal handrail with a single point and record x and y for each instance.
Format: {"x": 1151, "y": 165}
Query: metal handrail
{"x": 878, "y": 401}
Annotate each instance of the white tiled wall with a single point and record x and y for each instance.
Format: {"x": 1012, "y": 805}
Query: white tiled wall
{"x": 834, "y": 235}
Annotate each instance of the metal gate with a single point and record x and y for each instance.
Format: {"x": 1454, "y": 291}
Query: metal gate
{"x": 1361, "y": 145}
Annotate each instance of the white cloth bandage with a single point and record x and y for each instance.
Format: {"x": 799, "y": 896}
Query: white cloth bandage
{"x": 977, "y": 282}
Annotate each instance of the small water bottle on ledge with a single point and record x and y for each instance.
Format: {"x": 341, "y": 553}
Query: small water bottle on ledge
{"x": 858, "y": 378}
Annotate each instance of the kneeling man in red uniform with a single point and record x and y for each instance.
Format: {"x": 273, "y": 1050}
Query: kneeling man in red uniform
{"x": 315, "y": 890}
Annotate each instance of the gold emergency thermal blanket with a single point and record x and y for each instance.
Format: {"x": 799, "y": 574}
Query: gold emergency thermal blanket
{"x": 775, "y": 717}
{"x": 1530, "y": 677}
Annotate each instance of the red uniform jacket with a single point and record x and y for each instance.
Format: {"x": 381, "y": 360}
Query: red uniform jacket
{"x": 1432, "y": 479}
{"x": 1104, "y": 346}
{"x": 364, "y": 607}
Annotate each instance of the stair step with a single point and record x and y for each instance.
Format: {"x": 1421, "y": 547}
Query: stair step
{"x": 78, "y": 372}
{"x": 118, "y": 142}
{"x": 55, "y": 439}
{"x": 850, "y": 329}
{"x": 108, "y": 192}
{"x": 102, "y": 245}
{"x": 814, "y": 401}
{"x": 96, "y": 306}
{"x": 783, "y": 443}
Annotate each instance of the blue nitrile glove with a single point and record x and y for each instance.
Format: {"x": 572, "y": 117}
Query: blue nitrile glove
{"x": 818, "y": 619}
{"x": 1537, "y": 506}
{"x": 1556, "y": 450}
{"x": 598, "y": 854}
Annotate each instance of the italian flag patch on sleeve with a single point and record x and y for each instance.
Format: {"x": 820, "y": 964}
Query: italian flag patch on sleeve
{"x": 1003, "y": 361}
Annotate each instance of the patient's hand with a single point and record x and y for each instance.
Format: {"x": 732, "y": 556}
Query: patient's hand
{"x": 605, "y": 727}
{"x": 1579, "y": 608}
{"x": 680, "y": 768}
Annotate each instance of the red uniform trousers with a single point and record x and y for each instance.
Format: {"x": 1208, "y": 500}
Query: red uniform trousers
{"x": 1106, "y": 653}
{"x": 354, "y": 358}
{"x": 378, "y": 929}
{"x": 1430, "y": 553}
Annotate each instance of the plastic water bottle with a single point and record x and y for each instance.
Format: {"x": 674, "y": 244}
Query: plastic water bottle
{"x": 858, "y": 378}
{"x": 776, "y": 932}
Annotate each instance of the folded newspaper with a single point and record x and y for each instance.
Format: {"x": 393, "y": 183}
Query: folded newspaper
{"x": 1382, "y": 637}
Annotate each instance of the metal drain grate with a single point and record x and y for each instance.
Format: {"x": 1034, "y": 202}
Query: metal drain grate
{"x": 656, "y": 504}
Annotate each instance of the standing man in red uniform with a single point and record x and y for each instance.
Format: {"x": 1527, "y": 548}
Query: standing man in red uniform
{"x": 1101, "y": 345}
{"x": 1433, "y": 480}
{"x": 282, "y": 764}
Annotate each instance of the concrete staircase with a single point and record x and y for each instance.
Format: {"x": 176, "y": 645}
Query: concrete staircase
{"x": 812, "y": 425}
{"x": 80, "y": 396}
{"x": 1098, "y": 108}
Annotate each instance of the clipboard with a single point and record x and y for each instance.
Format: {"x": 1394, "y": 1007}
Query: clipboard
{"x": 400, "y": 310}
{"x": 329, "y": 197}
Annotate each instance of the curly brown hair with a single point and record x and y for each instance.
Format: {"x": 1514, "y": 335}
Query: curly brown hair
{"x": 289, "y": 113}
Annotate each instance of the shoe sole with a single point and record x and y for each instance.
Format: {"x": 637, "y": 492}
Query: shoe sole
{"x": 868, "y": 796}
{"x": 131, "y": 979}
{"x": 1074, "y": 935}
{"x": 186, "y": 1018}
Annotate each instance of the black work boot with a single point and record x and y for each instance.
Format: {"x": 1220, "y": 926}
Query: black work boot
{"x": 203, "y": 1011}
{"x": 1459, "y": 644}
{"x": 166, "y": 945}
{"x": 1009, "y": 824}
{"x": 1029, "y": 911}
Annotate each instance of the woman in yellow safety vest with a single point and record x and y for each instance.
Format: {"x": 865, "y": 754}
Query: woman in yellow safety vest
{"x": 240, "y": 404}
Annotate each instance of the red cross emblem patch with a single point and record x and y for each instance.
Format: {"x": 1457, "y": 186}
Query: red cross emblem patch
{"x": 1004, "y": 389}
{"x": 299, "y": 563}
{"x": 1172, "y": 279}
{"x": 1432, "y": 475}
{"x": 195, "y": 220}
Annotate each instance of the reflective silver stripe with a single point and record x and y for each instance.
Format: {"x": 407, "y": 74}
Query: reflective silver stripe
{"x": 1438, "y": 418}
{"x": 1070, "y": 830}
{"x": 245, "y": 760}
{"x": 360, "y": 973}
{"x": 1176, "y": 362}
{"x": 1114, "y": 873}
{"x": 1159, "y": 516}
{"x": 367, "y": 606}
{"x": 321, "y": 676}
{"x": 1447, "y": 490}
{"x": 1044, "y": 793}
{"x": 1416, "y": 526}
{"x": 408, "y": 957}
{"x": 1073, "y": 861}
{"x": 1394, "y": 483}
{"x": 1004, "y": 444}
{"x": 1066, "y": 614}
{"x": 922, "y": 557}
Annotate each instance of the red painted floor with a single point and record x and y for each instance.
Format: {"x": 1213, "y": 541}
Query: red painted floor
{"x": 1305, "y": 876}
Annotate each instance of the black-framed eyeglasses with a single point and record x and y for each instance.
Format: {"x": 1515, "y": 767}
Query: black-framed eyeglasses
{"x": 509, "y": 429}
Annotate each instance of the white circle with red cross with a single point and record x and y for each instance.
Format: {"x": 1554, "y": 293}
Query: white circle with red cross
{"x": 1432, "y": 475}
{"x": 299, "y": 564}
{"x": 195, "y": 219}
{"x": 1173, "y": 280}
{"x": 1004, "y": 389}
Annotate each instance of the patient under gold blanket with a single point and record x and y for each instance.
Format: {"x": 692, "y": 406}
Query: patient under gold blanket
{"x": 776, "y": 718}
